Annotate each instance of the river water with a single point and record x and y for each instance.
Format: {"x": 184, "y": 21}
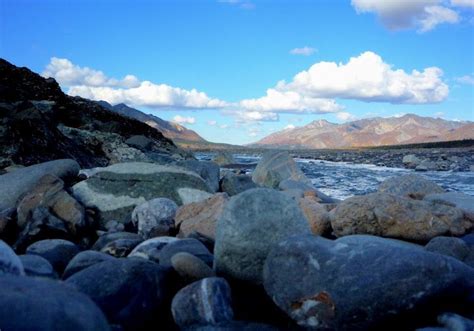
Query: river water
{"x": 342, "y": 180}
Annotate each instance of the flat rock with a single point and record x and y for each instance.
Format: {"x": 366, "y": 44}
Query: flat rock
{"x": 459, "y": 200}
{"x": 201, "y": 217}
{"x": 57, "y": 251}
{"x": 205, "y": 302}
{"x": 116, "y": 190}
{"x": 28, "y": 303}
{"x": 84, "y": 260}
{"x": 131, "y": 292}
{"x": 394, "y": 216}
{"x": 413, "y": 186}
{"x": 10, "y": 263}
{"x": 15, "y": 184}
{"x": 37, "y": 266}
{"x": 155, "y": 217}
{"x": 362, "y": 282}
{"x": 276, "y": 166}
{"x": 251, "y": 223}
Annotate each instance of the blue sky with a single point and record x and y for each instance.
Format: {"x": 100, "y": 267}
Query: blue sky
{"x": 209, "y": 64}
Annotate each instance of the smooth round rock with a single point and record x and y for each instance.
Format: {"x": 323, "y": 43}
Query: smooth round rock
{"x": 251, "y": 223}
{"x": 84, "y": 260}
{"x": 10, "y": 263}
{"x": 449, "y": 246}
{"x": 360, "y": 282}
{"x": 156, "y": 215}
{"x": 188, "y": 245}
{"x": 28, "y": 303}
{"x": 207, "y": 301}
{"x": 107, "y": 238}
{"x": 150, "y": 249}
{"x": 190, "y": 267}
{"x": 131, "y": 292}
{"x": 37, "y": 266}
{"x": 57, "y": 251}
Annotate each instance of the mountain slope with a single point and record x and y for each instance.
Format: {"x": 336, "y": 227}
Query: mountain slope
{"x": 170, "y": 130}
{"x": 408, "y": 129}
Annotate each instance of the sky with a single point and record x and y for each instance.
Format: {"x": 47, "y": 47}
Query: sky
{"x": 237, "y": 70}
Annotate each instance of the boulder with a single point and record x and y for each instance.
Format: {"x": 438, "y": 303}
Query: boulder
{"x": 109, "y": 237}
{"x": 449, "y": 246}
{"x": 190, "y": 267}
{"x": 150, "y": 249}
{"x": 277, "y": 166}
{"x": 459, "y": 200}
{"x": 189, "y": 245}
{"x": 209, "y": 171}
{"x": 155, "y": 217}
{"x": 426, "y": 165}
{"x": 84, "y": 260}
{"x": 57, "y": 251}
{"x": 28, "y": 303}
{"x": 201, "y": 217}
{"x": 49, "y": 193}
{"x": 317, "y": 216}
{"x": 223, "y": 158}
{"x": 10, "y": 263}
{"x": 140, "y": 142}
{"x": 205, "y": 302}
{"x": 37, "y": 266}
{"x": 15, "y": 184}
{"x": 307, "y": 189}
{"x": 388, "y": 215}
{"x": 116, "y": 190}
{"x": 233, "y": 184}
{"x": 413, "y": 186}
{"x": 131, "y": 292}
{"x": 251, "y": 223}
{"x": 411, "y": 161}
{"x": 363, "y": 282}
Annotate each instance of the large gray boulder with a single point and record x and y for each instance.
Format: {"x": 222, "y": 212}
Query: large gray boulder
{"x": 15, "y": 184}
{"x": 275, "y": 167}
{"x": 209, "y": 171}
{"x": 10, "y": 263}
{"x": 413, "y": 186}
{"x": 361, "y": 282}
{"x": 233, "y": 184}
{"x": 251, "y": 223}
{"x": 116, "y": 190}
{"x": 28, "y": 303}
{"x": 460, "y": 200}
{"x": 393, "y": 216}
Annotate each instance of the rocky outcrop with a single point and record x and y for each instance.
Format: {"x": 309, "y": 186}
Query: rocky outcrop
{"x": 413, "y": 186}
{"x": 389, "y": 215}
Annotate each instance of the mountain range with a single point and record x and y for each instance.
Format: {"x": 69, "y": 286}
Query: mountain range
{"x": 378, "y": 131}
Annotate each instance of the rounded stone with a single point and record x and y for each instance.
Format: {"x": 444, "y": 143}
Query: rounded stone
{"x": 156, "y": 215}
{"x": 37, "y": 266}
{"x": 188, "y": 245}
{"x": 84, "y": 260}
{"x": 413, "y": 186}
{"x": 57, "y": 251}
{"x": 190, "y": 267}
{"x": 10, "y": 263}
{"x": 251, "y": 223}
{"x": 449, "y": 246}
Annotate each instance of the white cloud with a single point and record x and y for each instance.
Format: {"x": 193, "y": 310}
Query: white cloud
{"x": 368, "y": 78}
{"x": 306, "y": 51}
{"x": 212, "y": 123}
{"x": 423, "y": 15}
{"x": 184, "y": 120}
{"x": 345, "y": 116}
{"x": 244, "y": 116}
{"x": 95, "y": 85}
{"x": 463, "y": 3}
{"x": 253, "y": 132}
{"x": 466, "y": 79}
{"x": 289, "y": 127}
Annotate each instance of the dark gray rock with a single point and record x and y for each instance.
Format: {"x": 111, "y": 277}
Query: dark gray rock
{"x": 207, "y": 301}
{"x": 251, "y": 223}
{"x": 413, "y": 186}
{"x": 154, "y": 217}
{"x": 37, "y": 266}
{"x": 449, "y": 246}
{"x": 15, "y": 184}
{"x": 190, "y": 268}
{"x": 131, "y": 292}
{"x": 209, "y": 171}
{"x": 57, "y": 251}
{"x": 10, "y": 263}
{"x": 120, "y": 247}
{"x": 28, "y": 303}
{"x": 188, "y": 245}
{"x": 360, "y": 282}
{"x": 107, "y": 238}
{"x": 84, "y": 260}
{"x": 140, "y": 142}
{"x": 234, "y": 184}
{"x": 150, "y": 249}
{"x": 290, "y": 184}
{"x": 455, "y": 322}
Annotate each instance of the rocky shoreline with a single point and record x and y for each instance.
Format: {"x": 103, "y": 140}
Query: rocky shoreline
{"x": 185, "y": 245}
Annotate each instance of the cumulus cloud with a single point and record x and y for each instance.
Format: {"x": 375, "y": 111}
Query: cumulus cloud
{"x": 93, "y": 84}
{"x": 345, "y": 116}
{"x": 289, "y": 127}
{"x": 424, "y": 15}
{"x": 463, "y": 3}
{"x": 368, "y": 78}
{"x": 306, "y": 51}
{"x": 466, "y": 79}
{"x": 184, "y": 120}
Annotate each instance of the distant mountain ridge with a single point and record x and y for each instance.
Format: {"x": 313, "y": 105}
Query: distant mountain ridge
{"x": 170, "y": 130}
{"x": 378, "y": 131}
